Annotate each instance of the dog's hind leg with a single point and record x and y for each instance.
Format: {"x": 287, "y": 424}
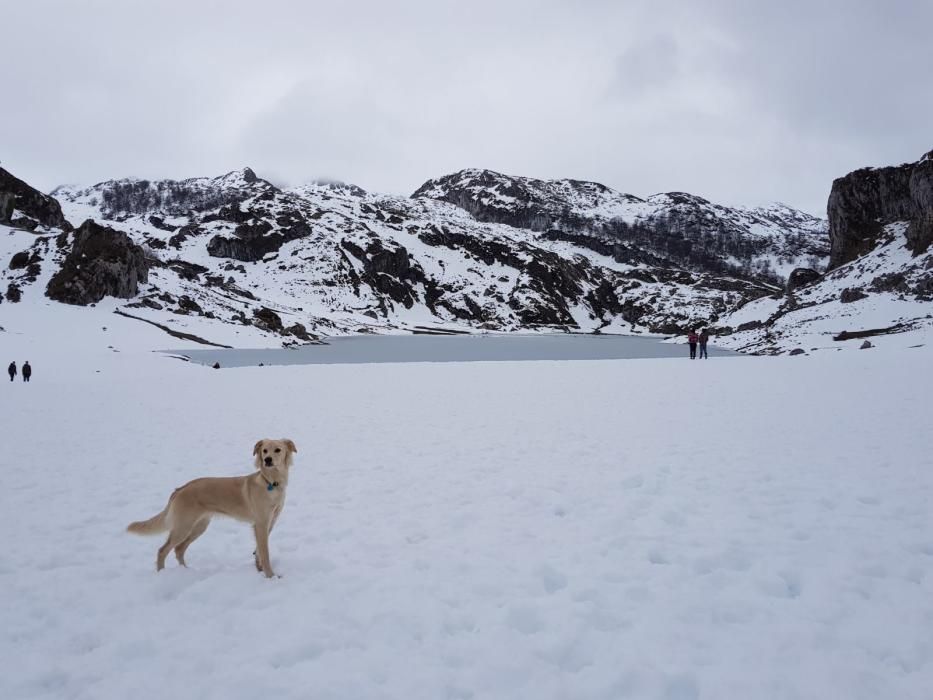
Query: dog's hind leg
{"x": 170, "y": 543}
{"x": 199, "y": 527}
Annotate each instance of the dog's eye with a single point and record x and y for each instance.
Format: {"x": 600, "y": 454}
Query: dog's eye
{"x": 278, "y": 449}
{"x": 265, "y": 451}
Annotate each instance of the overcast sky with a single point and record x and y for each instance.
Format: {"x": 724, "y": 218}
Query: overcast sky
{"x": 740, "y": 101}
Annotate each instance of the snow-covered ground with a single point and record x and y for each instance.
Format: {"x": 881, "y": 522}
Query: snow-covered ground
{"x": 738, "y": 528}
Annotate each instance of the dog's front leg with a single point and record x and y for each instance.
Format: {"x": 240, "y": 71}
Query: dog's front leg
{"x": 275, "y": 516}
{"x": 261, "y": 530}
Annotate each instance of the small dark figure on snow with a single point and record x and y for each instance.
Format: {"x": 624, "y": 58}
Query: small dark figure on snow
{"x": 27, "y": 371}
{"x": 692, "y": 340}
{"x": 216, "y": 365}
{"x": 11, "y": 370}
{"x": 704, "y": 339}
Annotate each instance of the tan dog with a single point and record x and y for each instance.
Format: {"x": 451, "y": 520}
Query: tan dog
{"x": 257, "y": 499}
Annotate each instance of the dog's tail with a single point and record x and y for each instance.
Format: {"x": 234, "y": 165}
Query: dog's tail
{"x": 153, "y": 526}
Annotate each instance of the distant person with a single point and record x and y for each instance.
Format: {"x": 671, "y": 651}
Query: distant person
{"x": 27, "y": 371}
{"x": 11, "y": 370}
{"x": 704, "y": 339}
{"x": 692, "y": 340}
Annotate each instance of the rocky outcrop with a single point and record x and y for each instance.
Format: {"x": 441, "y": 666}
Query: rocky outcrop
{"x": 268, "y": 320}
{"x": 102, "y": 262}
{"x": 850, "y": 294}
{"x": 801, "y": 277}
{"x": 254, "y": 238}
{"x": 26, "y": 207}
{"x": 863, "y": 202}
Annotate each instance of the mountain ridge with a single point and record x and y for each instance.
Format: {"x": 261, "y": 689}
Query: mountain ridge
{"x": 474, "y": 250}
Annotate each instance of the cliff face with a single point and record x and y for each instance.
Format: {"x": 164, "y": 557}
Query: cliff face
{"x": 863, "y": 202}
{"x": 25, "y": 207}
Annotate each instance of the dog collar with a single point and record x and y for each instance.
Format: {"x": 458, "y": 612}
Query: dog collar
{"x": 271, "y": 485}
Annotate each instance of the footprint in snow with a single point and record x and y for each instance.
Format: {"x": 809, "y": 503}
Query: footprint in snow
{"x": 657, "y": 557}
{"x": 552, "y": 579}
{"x": 525, "y": 619}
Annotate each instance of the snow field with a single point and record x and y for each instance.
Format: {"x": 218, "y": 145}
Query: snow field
{"x": 748, "y": 527}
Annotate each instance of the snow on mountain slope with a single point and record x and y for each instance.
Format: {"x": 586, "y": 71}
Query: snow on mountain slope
{"x": 887, "y": 288}
{"x": 330, "y": 258}
{"x": 767, "y": 241}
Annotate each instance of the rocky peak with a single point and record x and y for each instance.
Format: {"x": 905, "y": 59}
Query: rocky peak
{"x": 117, "y": 199}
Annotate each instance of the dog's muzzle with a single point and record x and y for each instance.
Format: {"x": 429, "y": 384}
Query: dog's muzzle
{"x": 268, "y": 461}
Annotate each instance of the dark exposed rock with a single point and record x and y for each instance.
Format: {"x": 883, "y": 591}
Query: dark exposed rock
{"x": 749, "y": 326}
{"x": 863, "y": 202}
{"x": 170, "y": 331}
{"x": 102, "y": 262}
{"x": 866, "y": 345}
{"x": 13, "y": 292}
{"x": 268, "y": 320}
{"x": 850, "y": 335}
{"x": 187, "y": 305}
{"x": 159, "y": 223}
{"x": 41, "y": 208}
{"x": 796, "y": 351}
{"x": 20, "y": 260}
{"x": 800, "y": 277}
{"x": 299, "y": 331}
{"x": 184, "y": 233}
{"x": 387, "y": 270}
{"x": 850, "y": 294}
{"x": 231, "y": 213}
{"x": 890, "y": 282}
{"x": 254, "y": 239}
{"x": 187, "y": 270}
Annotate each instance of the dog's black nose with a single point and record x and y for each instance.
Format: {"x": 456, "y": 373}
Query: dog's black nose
{"x": 268, "y": 461}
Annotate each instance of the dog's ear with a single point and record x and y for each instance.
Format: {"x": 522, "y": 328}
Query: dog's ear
{"x": 257, "y": 447}
{"x": 291, "y": 445}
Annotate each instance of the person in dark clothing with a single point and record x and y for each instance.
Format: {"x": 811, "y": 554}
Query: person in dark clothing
{"x": 704, "y": 339}
{"x": 692, "y": 340}
{"x": 11, "y": 370}
{"x": 27, "y": 371}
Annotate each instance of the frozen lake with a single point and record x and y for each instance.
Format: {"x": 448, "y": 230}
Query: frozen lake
{"x": 451, "y": 348}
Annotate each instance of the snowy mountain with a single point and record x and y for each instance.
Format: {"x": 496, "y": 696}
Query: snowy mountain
{"x": 329, "y": 258}
{"x": 234, "y": 259}
{"x": 765, "y": 242}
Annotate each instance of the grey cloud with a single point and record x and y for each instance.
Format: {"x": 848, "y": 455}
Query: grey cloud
{"x": 739, "y": 102}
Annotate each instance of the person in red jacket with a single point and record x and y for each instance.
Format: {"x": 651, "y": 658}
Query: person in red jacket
{"x": 692, "y": 340}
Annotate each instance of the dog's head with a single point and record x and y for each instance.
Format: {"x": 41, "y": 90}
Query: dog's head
{"x": 274, "y": 455}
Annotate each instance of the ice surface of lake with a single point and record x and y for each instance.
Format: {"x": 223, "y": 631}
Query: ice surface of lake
{"x": 451, "y": 348}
